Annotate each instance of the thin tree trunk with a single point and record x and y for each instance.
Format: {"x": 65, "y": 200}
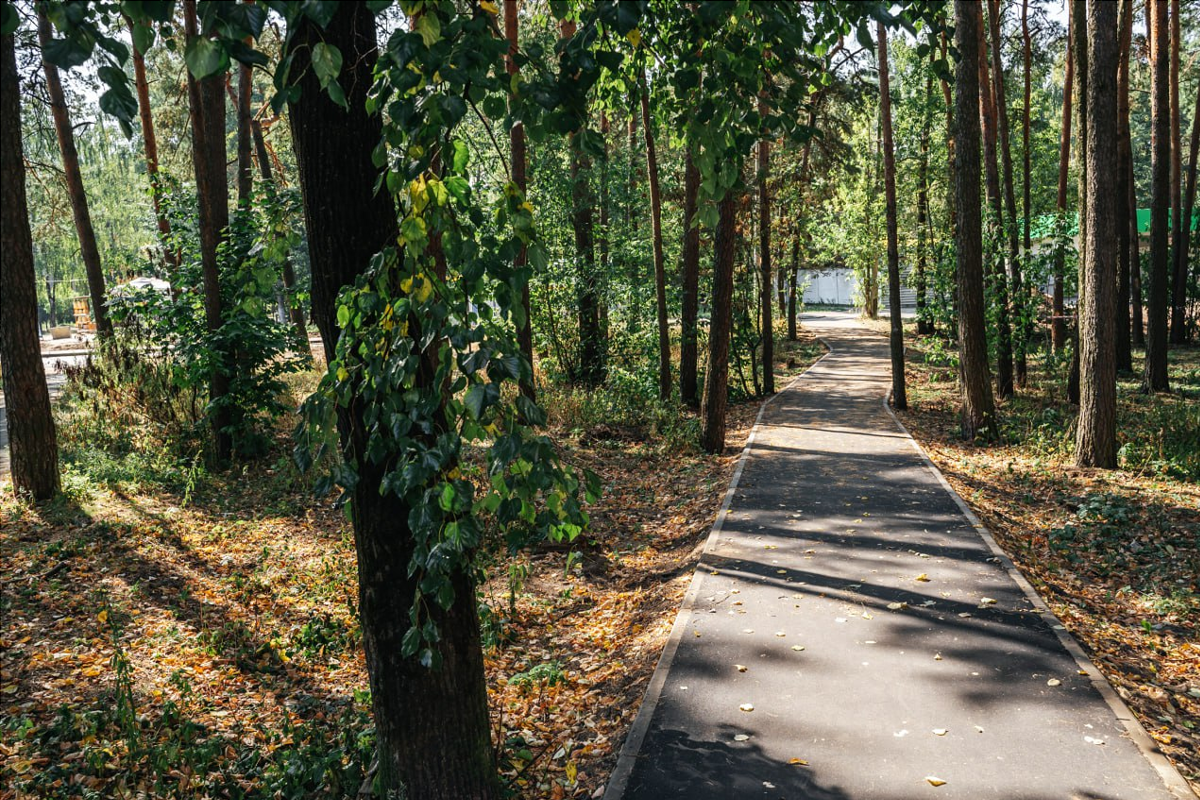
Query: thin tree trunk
{"x": 951, "y": 201}
{"x": 1189, "y": 205}
{"x": 660, "y": 272}
{"x": 1096, "y": 428}
{"x": 88, "y": 250}
{"x": 1004, "y": 357}
{"x": 150, "y": 145}
{"x": 1012, "y": 235}
{"x": 1178, "y": 267}
{"x": 924, "y": 324}
{"x": 1082, "y": 75}
{"x": 716, "y": 378}
{"x": 207, "y": 103}
{"x": 33, "y": 442}
{"x": 432, "y": 729}
{"x": 978, "y": 414}
{"x": 1155, "y": 377}
{"x": 516, "y": 143}
{"x": 1058, "y": 322}
{"x": 688, "y": 390}
{"x": 1029, "y": 307}
{"x": 792, "y": 278}
{"x": 295, "y": 312}
{"x": 767, "y": 317}
{"x": 245, "y": 166}
{"x": 896, "y": 339}
{"x": 1124, "y": 355}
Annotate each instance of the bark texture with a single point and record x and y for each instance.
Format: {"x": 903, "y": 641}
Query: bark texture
{"x": 432, "y": 729}
{"x": 150, "y": 146}
{"x": 1178, "y": 268}
{"x": 33, "y": 443}
{"x": 716, "y": 379}
{"x": 1058, "y": 322}
{"x": 516, "y": 144}
{"x": 1154, "y": 378}
{"x": 660, "y": 272}
{"x": 1124, "y": 354}
{"x": 978, "y": 415}
{"x": 88, "y": 250}
{"x": 688, "y": 356}
{"x": 767, "y": 317}
{"x": 1096, "y": 428}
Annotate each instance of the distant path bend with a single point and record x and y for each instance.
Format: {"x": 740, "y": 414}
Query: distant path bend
{"x": 847, "y": 599}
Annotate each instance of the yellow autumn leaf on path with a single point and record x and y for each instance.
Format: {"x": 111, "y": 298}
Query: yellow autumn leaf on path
{"x": 934, "y": 780}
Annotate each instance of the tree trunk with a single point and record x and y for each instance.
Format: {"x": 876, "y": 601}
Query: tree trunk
{"x": 1058, "y": 322}
{"x": 951, "y": 200}
{"x": 764, "y": 261}
{"x": 1012, "y": 235}
{"x": 660, "y": 273}
{"x": 1189, "y": 204}
{"x": 1178, "y": 229}
{"x": 432, "y": 728}
{"x": 924, "y": 323}
{"x": 1082, "y": 76}
{"x": 1096, "y": 428}
{"x": 793, "y": 276}
{"x": 207, "y": 101}
{"x": 150, "y": 145}
{"x": 1004, "y": 357}
{"x": 245, "y": 167}
{"x": 1154, "y": 378}
{"x": 33, "y": 444}
{"x": 1031, "y": 300}
{"x": 899, "y": 394}
{"x": 716, "y": 378}
{"x": 88, "y": 250}
{"x": 516, "y": 143}
{"x": 1124, "y": 355}
{"x": 688, "y": 391}
{"x": 978, "y": 415}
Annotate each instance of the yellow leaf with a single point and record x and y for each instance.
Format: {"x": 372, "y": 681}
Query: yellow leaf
{"x": 572, "y": 771}
{"x": 798, "y": 762}
{"x": 102, "y": 617}
{"x": 342, "y": 374}
{"x": 634, "y": 37}
{"x": 923, "y": 578}
{"x": 934, "y": 781}
{"x": 493, "y": 9}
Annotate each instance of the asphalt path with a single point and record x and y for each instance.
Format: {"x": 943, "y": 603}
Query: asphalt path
{"x": 852, "y": 634}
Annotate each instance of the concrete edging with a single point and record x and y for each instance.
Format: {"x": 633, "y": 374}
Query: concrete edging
{"x": 1171, "y": 777}
{"x": 618, "y": 780}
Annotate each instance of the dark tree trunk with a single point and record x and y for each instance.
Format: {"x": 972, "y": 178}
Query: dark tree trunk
{"x": 1189, "y": 204}
{"x": 207, "y": 101}
{"x": 1096, "y": 428}
{"x": 951, "y": 200}
{"x": 245, "y": 166}
{"x": 1155, "y": 378}
{"x": 792, "y": 278}
{"x": 88, "y": 250}
{"x": 1178, "y": 229}
{"x": 899, "y": 394}
{"x": 1058, "y": 321}
{"x": 1082, "y": 76}
{"x": 716, "y": 378}
{"x": 978, "y": 415}
{"x": 767, "y": 317}
{"x": 516, "y": 142}
{"x": 924, "y": 323}
{"x": 1011, "y": 233}
{"x": 602, "y": 236}
{"x": 432, "y": 729}
{"x": 150, "y": 145}
{"x": 688, "y": 390}
{"x": 33, "y": 444}
{"x": 1032, "y": 293}
{"x": 1124, "y": 355}
{"x": 660, "y": 272}
{"x": 1004, "y": 355}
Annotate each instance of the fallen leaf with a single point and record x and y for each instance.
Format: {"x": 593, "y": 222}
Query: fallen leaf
{"x": 897, "y": 606}
{"x": 1054, "y": 682}
{"x": 923, "y": 578}
{"x": 934, "y": 781}
{"x": 798, "y": 762}
{"x": 741, "y": 737}
{"x": 740, "y": 667}
{"x": 939, "y": 731}
{"x": 797, "y": 648}
{"x": 746, "y": 706}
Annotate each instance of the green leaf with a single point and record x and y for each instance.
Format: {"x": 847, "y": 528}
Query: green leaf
{"x": 8, "y": 19}
{"x": 326, "y": 62}
{"x": 462, "y": 155}
{"x": 430, "y": 27}
{"x": 343, "y": 316}
{"x": 143, "y": 37}
{"x": 205, "y": 57}
{"x": 474, "y": 400}
{"x": 458, "y": 187}
{"x": 66, "y": 53}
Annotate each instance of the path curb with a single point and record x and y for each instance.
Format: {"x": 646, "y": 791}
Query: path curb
{"x": 618, "y": 780}
{"x": 1171, "y": 776}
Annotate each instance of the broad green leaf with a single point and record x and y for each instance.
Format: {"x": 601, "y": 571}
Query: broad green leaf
{"x": 205, "y": 57}
{"x": 326, "y": 62}
{"x": 430, "y": 28}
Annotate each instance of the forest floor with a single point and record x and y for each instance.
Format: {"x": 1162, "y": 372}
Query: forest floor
{"x": 1115, "y": 554}
{"x": 188, "y": 635}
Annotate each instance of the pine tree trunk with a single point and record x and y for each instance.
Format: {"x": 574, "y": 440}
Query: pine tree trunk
{"x": 1096, "y": 428}
{"x": 896, "y": 339}
{"x": 33, "y": 443}
{"x": 1031, "y": 299}
{"x": 150, "y": 145}
{"x": 245, "y": 166}
{"x": 791, "y": 284}
{"x": 767, "y": 317}
{"x": 1011, "y": 234}
{"x": 924, "y": 323}
{"x": 516, "y": 143}
{"x": 207, "y": 102}
{"x": 1058, "y": 322}
{"x": 688, "y": 356}
{"x": 716, "y": 378}
{"x": 660, "y": 273}
{"x": 1155, "y": 378}
{"x": 978, "y": 415}
{"x": 1189, "y": 204}
{"x": 1004, "y": 353}
{"x": 1124, "y": 355}
{"x": 432, "y": 731}
{"x": 1082, "y": 75}
{"x": 1178, "y": 267}
{"x": 88, "y": 251}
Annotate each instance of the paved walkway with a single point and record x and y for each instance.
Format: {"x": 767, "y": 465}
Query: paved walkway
{"x": 847, "y": 614}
